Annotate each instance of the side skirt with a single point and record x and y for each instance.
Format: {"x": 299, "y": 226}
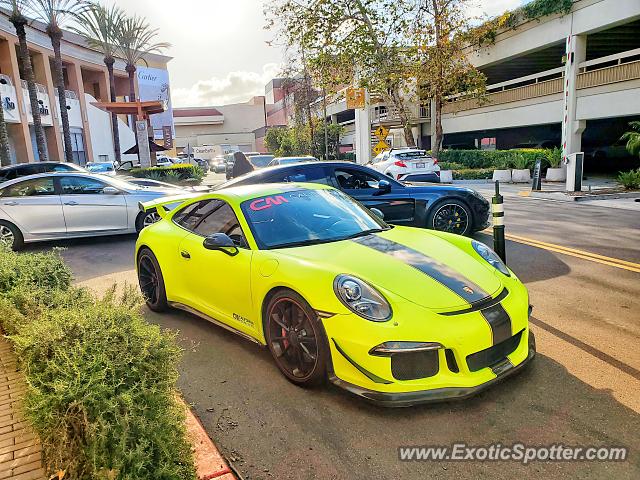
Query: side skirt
{"x": 198, "y": 313}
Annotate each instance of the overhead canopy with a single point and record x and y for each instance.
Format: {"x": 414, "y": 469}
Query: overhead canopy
{"x": 153, "y": 147}
{"x": 141, "y": 109}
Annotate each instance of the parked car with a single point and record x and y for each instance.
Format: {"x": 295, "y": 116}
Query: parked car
{"x": 260, "y": 160}
{"x": 440, "y": 207}
{"x": 408, "y": 164}
{"x": 290, "y": 160}
{"x": 51, "y": 206}
{"x": 398, "y": 316}
{"x": 218, "y": 165}
{"x": 103, "y": 168}
{"x": 22, "y": 170}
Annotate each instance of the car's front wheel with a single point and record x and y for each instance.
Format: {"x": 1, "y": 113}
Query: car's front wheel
{"x": 295, "y": 339}
{"x": 151, "y": 281}
{"x": 451, "y": 216}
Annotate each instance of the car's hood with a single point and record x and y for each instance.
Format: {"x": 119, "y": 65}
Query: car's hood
{"x": 414, "y": 264}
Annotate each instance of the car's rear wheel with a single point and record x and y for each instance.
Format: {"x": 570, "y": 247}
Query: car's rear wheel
{"x": 146, "y": 219}
{"x": 295, "y": 339}
{"x": 11, "y": 236}
{"x": 151, "y": 281}
{"x": 451, "y": 216}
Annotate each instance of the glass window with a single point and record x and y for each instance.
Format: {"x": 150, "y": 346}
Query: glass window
{"x": 304, "y": 217}
{"x": 81, "y": 186}
{"x": 30, "y": 188}
{"x": 302, "y": 174}
{"x": 354, "y": 179}
{"x": 222, "y": 220}
{"x": 191, "y": 216}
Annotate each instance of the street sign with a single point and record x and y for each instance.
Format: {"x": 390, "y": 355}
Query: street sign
{"x": 381, "y": 147}
{"x": 382, "y": 133}
{"x": 356, "y": 98}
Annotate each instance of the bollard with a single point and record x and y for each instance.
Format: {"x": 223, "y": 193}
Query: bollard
{"x": 497, "y": 210}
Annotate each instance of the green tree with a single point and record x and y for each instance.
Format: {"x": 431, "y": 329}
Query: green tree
{"x": 368, "y": 37}
{"x": 4, "y": 140}
{"x": 19, "y": 11}
{"x": 443, "y": 33}
{"x": 136, "y": 40}
{"x": 632, "y": 138}
{"x": 99, "y": 26}
{"x": 54, "y": 13}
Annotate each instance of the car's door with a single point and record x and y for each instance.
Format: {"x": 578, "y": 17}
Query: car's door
{"x": 87, "y": 208}
{"x": 362, "y": 184}
{"x": 216, "y": 282}
{"x": 34, "y": 206}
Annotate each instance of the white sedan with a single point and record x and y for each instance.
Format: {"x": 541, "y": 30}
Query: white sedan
{"x": 408, "y": 164}
{"x": 52, "y": 206}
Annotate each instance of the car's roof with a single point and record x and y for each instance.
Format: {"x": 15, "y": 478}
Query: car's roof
{"x": 22, "y": 165}
{"x": 56, "y": 174}
{"x": 247, "y": 192}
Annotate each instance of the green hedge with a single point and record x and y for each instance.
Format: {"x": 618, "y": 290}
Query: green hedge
{"x": 496, "y": 158}
{"x": 174, "y": 173}
{"x": 101, "y": 381}
{"x": 473, "y": 174}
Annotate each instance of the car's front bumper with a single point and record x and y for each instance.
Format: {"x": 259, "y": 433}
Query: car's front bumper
{"x": 407, "y": 399}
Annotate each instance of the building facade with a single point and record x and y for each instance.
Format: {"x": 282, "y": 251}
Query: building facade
{"x": 86, "y": 81}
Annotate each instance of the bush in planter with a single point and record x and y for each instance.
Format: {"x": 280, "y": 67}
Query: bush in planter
{"x": 473, "y": 174}
{"x": 177, "y": 172}
{"x": 101, "y": 381}
{"x": 630, "y": 180}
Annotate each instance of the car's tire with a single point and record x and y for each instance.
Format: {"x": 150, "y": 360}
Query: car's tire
{"x": 151, "y": 281}
{"x": 296, "y": 339}
{"x": 451, "y": 215}
{"x": 11, "y": 236}
{"x": 144, "y": 219}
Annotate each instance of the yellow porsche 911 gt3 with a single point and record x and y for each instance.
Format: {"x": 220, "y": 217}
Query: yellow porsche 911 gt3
{"x": 397, "y": 315}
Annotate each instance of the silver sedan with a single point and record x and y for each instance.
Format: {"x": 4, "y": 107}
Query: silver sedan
{"x": 51, "y": 206}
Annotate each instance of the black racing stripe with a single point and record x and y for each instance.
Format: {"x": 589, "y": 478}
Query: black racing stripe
{"x": 447, "y": 276}
{"x": 481, "y": 305}
{"x": 371, "y": 376}
{"x": 499, "y": 322}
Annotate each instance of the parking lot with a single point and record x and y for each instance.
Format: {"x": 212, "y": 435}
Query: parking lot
{"x": 581, "y": 390}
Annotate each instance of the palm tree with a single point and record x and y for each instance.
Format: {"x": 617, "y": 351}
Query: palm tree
{"x": 136, "y": 41}
{"x": 54, "y": 13}
{"x": 18, "y": 17}
{"x": 99, "y": 26}
{"x": 633, "y": 138}
{"x": 4, "y": 140}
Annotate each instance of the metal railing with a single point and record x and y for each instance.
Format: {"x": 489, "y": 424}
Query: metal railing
{"x": 70, "y": 95}
{"x": 608, "y": 75}
{"x": 386, "y": 114}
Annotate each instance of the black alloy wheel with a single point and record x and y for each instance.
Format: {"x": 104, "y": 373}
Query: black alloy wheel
{"x": 295, "y": 339}
{"x": 451, "y": 216}
{"x": 151, "y": 281}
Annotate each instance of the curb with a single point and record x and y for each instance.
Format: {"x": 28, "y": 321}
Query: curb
{"x": 209, "y": 462}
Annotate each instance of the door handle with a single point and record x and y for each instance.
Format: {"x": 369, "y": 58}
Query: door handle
{"x": 72, "y": 202}
{"x": 185, "y": 254}
{"x": 11, "y": 203}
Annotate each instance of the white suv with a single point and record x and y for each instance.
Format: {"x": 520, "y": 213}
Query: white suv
{"x": 408, "y": 164}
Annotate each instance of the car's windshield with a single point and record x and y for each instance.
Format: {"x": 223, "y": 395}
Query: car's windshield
{"x": 304, "y": 217}
{"x": 288, "y": 160}
{"x": 100, "y": 167}
{"x": 261, "y": 160}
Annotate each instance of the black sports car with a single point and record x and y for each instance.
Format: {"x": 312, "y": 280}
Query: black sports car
{"x": 441, "y": 207}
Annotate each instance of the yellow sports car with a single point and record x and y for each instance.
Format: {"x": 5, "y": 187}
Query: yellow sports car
{"x": 397, "y": 315}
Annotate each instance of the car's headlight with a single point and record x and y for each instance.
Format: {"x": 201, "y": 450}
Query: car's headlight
{"x": 491, "y": 257}
{"x": 361, "y": 298}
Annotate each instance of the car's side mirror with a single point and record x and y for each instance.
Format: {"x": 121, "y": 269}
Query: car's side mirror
{"x": 384, "y": 186}
{"x": 222, "y": 242}
{"x": 110, "y": 191}
{"x": 378, "y": 213}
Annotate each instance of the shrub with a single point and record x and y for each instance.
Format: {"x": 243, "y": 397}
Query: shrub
{"x": 554, "y": 157}
{"x": 451, "y": 166}
{"x": 491, "y": 158}
{"x": 520, "y": 162}
{"x": 473, "y": 174}
{"x": 101, "y": 381}
{"x": 630, "y": 180}
{"x": 177, "y": 172}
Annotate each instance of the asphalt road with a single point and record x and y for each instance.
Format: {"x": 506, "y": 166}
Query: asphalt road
{"x": 583, "y": 388}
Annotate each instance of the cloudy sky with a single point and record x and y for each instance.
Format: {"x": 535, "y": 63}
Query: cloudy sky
{"x": 220, "y": 46}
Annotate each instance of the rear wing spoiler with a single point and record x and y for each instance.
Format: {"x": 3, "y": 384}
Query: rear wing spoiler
{"x": 164, "y": 205}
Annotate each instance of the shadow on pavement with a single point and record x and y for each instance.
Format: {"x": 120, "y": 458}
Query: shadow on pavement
{"x": 270, "y": 428}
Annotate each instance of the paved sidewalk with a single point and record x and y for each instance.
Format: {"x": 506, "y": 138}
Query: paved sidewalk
{"x": 20, "y": 451}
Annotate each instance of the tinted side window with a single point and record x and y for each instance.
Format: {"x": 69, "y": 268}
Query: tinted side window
{"x": 191, "y": 216}
{"x": 59, "y": 168}
{"x": 80, "y": 186}
{"x": 354, "y": 179}
{"x": 25, "y": 170}
{"x": 222, "y": 220}
{"x": 301, "y": 174}
{"x": 30, "y": 188}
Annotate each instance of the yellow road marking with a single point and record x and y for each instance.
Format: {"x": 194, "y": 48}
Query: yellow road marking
{"x": 593, "y": 257}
